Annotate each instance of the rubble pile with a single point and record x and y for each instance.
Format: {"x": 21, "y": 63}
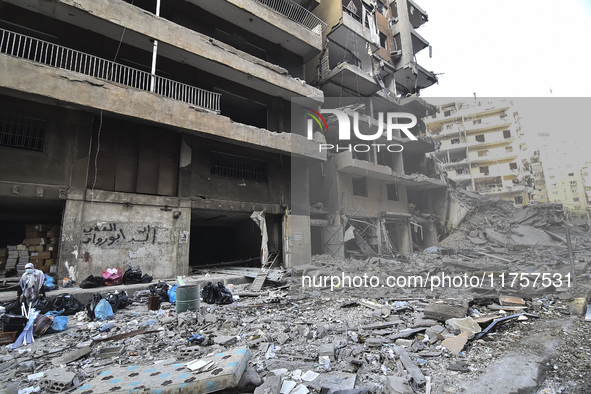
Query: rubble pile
{"x": 314, "y": 332}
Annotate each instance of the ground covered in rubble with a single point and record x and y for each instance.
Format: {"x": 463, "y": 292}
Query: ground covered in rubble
{"x": 485, "y": 330}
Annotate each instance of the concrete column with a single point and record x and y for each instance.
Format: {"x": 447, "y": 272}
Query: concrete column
{"x": 404, "y": 27}
{"x": 71, "y": 226}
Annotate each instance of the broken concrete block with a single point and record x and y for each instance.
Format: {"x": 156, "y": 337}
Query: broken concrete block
{"x": 58, "y": 380}
{"x": 423, "y": 323}
{"x": 250, "y": 380}
{"x": 271, "y": 385}
{"x": 446, "y": 309}
{"x": 397, "y": 385}
{"x": 412, "y": 369}
{"x": 225, "y": 340}
{"x": 300, "y": 389}
{"x": 513, "y": 301}
{"x": 579, "y": 306}
{"x": 374, "y": 342}
{"x": 72, "y": 356}
{"x": 404, "y": 342}
{"x": 467, "y": 324}
{"x": 334, "y": 380}
{"x": 326, "y": 349}
{"x": 456, "y": 344}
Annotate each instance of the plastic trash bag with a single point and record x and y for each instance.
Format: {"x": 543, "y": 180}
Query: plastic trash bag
{"x": 132, "y": 276}
{"x": 224, "y": 296}
{"x": 112, "y": 276}
{"x": 216, "y": 294}
{"x": 172, "y": 294}
{"x": 49, "y": 285}
{"x": 113, "y": 299}
{"x": 90, "y": 307}
{"x": 146, "y": 278}
{"x": 68, "y": 303}
{"x": 60, "y": 323}
{"x": 103, "y": 310}
{"x": 160, "y": 289}
{"x": 92, "y": 281}
{"x": 123, "y": 299}
{"x": 42, "y": 304}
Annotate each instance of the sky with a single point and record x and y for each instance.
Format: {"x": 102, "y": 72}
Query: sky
{"x": 537, "y": 50}
{"x": 508, "y": 48}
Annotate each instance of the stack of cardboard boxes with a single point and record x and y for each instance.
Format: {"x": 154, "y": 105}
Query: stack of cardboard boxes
{"x": 42, "y": 242}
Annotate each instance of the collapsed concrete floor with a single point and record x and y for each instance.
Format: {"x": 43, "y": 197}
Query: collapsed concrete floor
{"x": 361, "y": 339}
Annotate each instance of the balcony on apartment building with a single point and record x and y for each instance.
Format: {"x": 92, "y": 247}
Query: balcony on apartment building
{"x": 131, "y": 25}
{"x": 416, "y": 14}
{"x": 492, "y": 157}
{"x": 487, "y": 124}
{"x": 61, "y": 74}
{"x": 283, "y": 22}
{"x": 413, "y": 77}
{"x": 347, "y": 163}
{"x": 361, "y": 24}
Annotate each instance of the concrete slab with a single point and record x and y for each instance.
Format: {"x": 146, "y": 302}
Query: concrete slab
{"x": 175, "y": 378}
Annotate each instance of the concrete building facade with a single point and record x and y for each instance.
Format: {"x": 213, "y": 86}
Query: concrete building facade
{"x": 151, "y": 132}
{"x": 482, "y": 148}
{"x": 367, "y": 200}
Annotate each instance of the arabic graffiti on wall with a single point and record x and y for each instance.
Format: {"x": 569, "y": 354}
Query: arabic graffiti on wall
{"x": 116, "y": 235}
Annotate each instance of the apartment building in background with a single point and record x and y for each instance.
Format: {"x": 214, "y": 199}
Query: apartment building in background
{"x": 540, "y": 191}
{"x": 482, "y": 147}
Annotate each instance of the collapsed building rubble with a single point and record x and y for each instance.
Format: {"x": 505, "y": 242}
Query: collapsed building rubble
{"x": 290, "y": 338}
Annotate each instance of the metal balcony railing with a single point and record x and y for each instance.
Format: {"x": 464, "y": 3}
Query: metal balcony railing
{"x": 296, "y": 13}
{"x": 25, "y": 47}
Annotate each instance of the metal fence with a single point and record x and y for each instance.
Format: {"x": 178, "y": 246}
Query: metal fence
{"x": 18, "y": 45}
{"x": 296, "y": 13}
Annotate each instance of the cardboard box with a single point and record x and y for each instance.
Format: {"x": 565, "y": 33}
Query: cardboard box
{"x": 49, "y": 262}
{"x": 44, "y": 268}
{"x": 36, "y": 248}
{"x": 22, "y": 247}
{"x": 13, "y": 254}
{"x": 23, "y": 253}
{"x": 3, "y": 252}
{"x": 35, "y": 234}
{"x": 42, "y": 255}
{"x": 35, "y": 241}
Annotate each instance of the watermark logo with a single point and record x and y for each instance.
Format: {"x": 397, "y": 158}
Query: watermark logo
{"x": 386, "y": 124}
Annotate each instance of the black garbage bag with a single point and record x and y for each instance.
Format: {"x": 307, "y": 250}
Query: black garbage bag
{"x": 92, "y": 281}
{"x": 132, "y": 276}
{"x": 223, "y": 296}
{"x": 160, "y": 289}
{"x": 113, "y": 300}
{"x": 146, "y": 278}
{"x": 208, "y": 293}
{"x": 68, "y": 303}
{"x": 96, "y": 298}
{"x": 42, "y": 304}
{"x": 123, "y": 299}
{"x": 216, "y": 294}
{"x": 12, "y": 307}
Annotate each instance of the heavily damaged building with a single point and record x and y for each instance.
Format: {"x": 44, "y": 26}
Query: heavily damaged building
{"x": 147, "y": 133}
{"x": 371, "y": 197}
{"x": 482, "y": 147}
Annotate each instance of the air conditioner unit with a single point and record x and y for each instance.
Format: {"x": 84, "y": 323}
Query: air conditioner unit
{"x": 396, "y": 54}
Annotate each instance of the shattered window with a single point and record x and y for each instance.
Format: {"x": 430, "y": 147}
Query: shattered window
{"x": 484, "y": 170}
{"x": 22, "y": 132}
{"x": 455, "y": 140}
{"x": 507, "y": 134}
{"x": 240, "y": 167}
{"x": 576, "y": 199}
{"x": 512, "y": 166}
{"x": 480, "y": 138}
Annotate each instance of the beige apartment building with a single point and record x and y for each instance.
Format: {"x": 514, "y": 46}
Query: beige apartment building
{"x": 482, "y": 148}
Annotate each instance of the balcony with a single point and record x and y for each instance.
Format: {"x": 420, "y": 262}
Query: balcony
{"x": 350, "y": 77}
{"x": 416, "y": 14}
{"x": 60, "y": 86}
{"x": 413, "y": 77}
{"x": 352, "y": 33}
{"x": 111, "y": 18}
{"x": 282, "y": 22}
{"x": 39, "y": 51}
